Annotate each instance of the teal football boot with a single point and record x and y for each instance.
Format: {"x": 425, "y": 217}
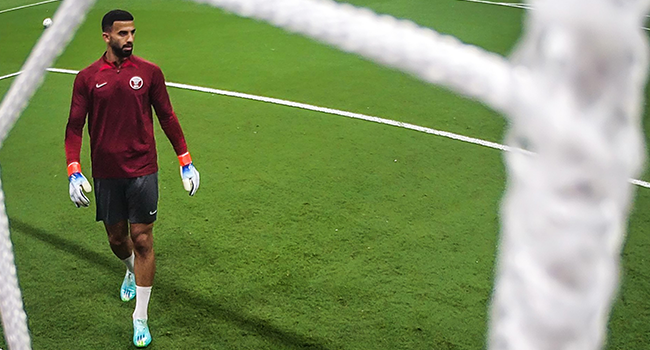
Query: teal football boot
{"x": 141, "y": 335}
{"x": 127, "y": 291}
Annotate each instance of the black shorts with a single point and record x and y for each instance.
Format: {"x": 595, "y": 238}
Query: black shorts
{"x": 134, "y": 199}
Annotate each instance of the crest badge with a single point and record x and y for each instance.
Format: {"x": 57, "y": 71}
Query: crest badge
{"x": 136, "y": 83}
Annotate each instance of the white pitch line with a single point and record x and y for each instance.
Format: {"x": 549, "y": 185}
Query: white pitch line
{"x": 10, "y": 75}
{"x": 507, "y": 4}
{"x": 26, "y": 6}
{"x": 519, "y": 6}
{"x": 337, "y": 112}
{"x": 65, "y": 71}
{"x": 344, "y": 114}
{"x": 640, "y": 183}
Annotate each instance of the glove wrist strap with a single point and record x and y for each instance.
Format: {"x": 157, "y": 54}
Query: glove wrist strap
{"x": 185, "y": 159}
{"x": 74, "y": 167}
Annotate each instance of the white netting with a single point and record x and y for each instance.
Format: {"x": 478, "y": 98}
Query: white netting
{"x": 68, "y": 17}
{"x": 565, "y": 211}
{"x": 573, "y": 95}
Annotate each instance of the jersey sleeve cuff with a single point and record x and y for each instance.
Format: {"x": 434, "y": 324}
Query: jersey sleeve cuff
{"x": 74, "y": 167}
{"x": 185, "y": 159}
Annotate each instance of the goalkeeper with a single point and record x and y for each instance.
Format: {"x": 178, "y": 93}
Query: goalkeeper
{"x": 116, "y": 93}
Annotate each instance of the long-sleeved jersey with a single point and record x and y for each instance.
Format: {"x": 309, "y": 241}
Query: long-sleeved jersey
{"x": 118, "y": 102}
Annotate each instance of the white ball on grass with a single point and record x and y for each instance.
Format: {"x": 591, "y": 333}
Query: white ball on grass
{"x": 47, "y": 23}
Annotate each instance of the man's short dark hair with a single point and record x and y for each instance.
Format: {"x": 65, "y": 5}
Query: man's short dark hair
{"x": 112, "y": 16}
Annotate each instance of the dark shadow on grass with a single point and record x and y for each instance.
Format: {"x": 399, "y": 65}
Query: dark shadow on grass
{"x": 200, "y": 303}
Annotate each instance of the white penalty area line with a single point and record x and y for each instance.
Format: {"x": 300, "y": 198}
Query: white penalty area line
{"x": 365, "y": 117}
{"x": 507, "y": 4}
{"x": 29, "y": 5}
{"x": 345, "y": 114}
{"x": 518, "y": 5}
{"x": 10, "y": 75}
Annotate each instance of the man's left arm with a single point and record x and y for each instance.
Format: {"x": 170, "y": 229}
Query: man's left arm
{"x": 172, "y": 128}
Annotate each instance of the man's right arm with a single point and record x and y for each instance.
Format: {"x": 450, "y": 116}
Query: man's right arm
{"x": 73, "y": 136}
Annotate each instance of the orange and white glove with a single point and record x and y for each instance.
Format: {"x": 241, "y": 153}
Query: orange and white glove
{"x": 78, "y": 184}
{"x": 189, "y": 174}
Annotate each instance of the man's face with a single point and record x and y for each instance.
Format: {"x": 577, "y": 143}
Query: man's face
{"x": 120, "y": 38}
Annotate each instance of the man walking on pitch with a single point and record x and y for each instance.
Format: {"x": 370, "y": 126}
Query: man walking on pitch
{"x": 117, "y": 93}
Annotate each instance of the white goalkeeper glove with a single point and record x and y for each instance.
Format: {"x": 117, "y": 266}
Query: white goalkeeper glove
{"x": 189, "y": 174}
{"x": 78, "y": 184}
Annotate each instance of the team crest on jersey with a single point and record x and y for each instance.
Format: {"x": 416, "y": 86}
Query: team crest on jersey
{"x": 136, "y": 83}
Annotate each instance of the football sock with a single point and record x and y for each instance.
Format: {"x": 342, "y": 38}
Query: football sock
{"x": 129, "y": 262}
{"x": 142, "y": 295}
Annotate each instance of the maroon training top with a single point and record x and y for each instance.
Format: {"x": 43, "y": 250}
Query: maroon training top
{"x": 118, "y": 103}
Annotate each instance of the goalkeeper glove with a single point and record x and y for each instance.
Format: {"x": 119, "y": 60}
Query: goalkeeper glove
{"x": 78, "y": 182}
{"x": 189, "y": 174}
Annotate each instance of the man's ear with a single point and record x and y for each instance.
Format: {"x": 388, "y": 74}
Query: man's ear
{"x": 106, "y": 37}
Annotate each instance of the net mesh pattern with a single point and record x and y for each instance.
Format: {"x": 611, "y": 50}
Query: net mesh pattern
{"x": 67, "y": 19}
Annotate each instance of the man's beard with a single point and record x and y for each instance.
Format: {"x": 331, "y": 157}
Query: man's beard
{"x": 120, "y": 51}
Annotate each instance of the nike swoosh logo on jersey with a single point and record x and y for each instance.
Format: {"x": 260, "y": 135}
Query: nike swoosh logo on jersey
{"x": 100, "y": 85}
{"x": 153, "y": 212}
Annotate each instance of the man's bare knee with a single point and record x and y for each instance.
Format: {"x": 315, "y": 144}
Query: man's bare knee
{"x": 118, "y": 233}
{"x": 142, "y": 237}
{"x": 116, "y": 240}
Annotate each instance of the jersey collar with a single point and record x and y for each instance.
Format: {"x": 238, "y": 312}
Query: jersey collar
{"x": 111, "y": 65}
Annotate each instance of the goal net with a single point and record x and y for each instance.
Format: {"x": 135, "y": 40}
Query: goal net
{"x": 572, "y": 92}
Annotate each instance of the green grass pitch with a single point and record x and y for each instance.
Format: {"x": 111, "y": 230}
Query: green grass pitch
{"x": 310, "y": 231}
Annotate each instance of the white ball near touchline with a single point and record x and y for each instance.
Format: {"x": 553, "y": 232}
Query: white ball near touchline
{"x": 47, "y": 22}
